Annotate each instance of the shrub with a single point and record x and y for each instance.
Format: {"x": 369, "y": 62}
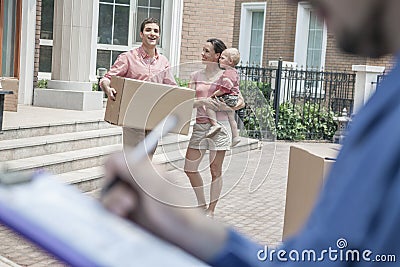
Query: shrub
{"x": 42, "y": 83}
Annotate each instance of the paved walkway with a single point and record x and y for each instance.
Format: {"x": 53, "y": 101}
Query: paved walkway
{"x": 253, "y": 201}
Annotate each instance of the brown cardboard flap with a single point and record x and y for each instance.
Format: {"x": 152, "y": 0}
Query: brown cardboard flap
{"x": 112, "y": 108}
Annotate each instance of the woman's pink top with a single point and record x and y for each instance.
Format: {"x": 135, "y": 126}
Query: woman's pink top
{"x": 205, "y": 88}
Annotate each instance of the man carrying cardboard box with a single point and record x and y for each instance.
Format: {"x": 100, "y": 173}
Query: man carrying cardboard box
{"x": 142, "y": 63}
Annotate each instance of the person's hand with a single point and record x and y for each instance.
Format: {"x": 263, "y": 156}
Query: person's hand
{"x": 143, "y": 195}
{"x": 110, "y": 92}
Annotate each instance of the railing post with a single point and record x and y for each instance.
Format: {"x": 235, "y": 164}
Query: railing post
{"x": 363, "y": 87}
{"x": 277, "y": 91}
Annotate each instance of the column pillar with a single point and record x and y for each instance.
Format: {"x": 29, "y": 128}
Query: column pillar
{"x": 365, "y": 76}
{"x": 70, "y": 86}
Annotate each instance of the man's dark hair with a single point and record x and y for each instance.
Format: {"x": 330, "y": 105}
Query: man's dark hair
{"x": 147, "y": 21}
{"x": 218, "y": 45}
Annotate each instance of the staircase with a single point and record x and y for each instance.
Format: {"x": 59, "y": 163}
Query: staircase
{"x": 76, "y": 151}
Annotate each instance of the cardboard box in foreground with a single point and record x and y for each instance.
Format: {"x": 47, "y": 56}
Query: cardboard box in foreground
{"x": 142, "y": 105}
{"x": 308, "y": 166}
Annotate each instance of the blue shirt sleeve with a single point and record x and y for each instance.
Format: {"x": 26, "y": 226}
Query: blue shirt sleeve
{"x": 359, "y": 206}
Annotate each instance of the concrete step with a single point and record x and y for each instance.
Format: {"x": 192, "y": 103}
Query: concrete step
{"x": 56, "y": 143}
{"x": 91, "y": 179}
{"x": 65, "y": 161}
{"x": 86, "y": 180}
{"x": 52, "y": 128}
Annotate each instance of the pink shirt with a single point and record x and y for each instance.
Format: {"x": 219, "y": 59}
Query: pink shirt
{"x": 137, "y": 64}
{"x": 205, "y": 88}
{"x": 228, "y": 83}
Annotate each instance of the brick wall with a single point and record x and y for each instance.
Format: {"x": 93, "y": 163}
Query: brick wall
{"x": 280, "y": 29}
{"x": 203, "y": 20}
{"x": 280, "y": 34}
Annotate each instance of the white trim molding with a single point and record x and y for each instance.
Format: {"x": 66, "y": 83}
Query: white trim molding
{"x": 302, "y": 29}
{"x": 245, "y": 26}
{"x": 27, "y": 52}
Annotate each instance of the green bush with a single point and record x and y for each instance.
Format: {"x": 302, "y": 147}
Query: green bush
{"x": 290, "y": 126}
{"x": 319, "y": 122}
{"x": 42, "y": 83}
{"x": 310, "y": 121}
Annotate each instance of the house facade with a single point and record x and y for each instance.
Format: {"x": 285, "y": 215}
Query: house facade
{"x": 68, "y": 40}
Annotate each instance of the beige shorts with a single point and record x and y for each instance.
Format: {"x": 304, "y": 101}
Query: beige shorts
{"x": 221, "y": 141}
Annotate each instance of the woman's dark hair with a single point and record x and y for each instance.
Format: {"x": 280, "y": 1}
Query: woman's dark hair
{"x": 148, "y": 21}
{"x": 218, "y": 45}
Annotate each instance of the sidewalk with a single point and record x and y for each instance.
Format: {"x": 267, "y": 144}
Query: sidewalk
{"x": 258, "y": 214}
{"x": 253, "y": 200}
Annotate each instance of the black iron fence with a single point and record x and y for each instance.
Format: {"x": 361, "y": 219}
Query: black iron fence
{"x": 295, "y": 104}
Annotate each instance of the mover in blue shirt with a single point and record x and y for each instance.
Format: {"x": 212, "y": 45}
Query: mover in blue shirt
{"x": 356, "y": 219}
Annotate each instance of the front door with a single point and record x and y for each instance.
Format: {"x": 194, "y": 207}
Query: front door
{"x": 10, "y": 30}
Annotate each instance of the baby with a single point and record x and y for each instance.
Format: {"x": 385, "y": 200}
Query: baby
{"x": 227, "y": 91}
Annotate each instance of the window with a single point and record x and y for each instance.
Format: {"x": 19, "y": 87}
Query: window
{"x": 311, "y": 35}
{"x": 256, "y": 43}
{"x": 117, "y": 25}
{"x": 46, "y": 39}
{"x": 113, "y": 28}
{"x": 251, "y": 39}
{"x": 147, "y": 9}
{"x": 8, "y": 32}
{"x": 115, "y": 35}
{"x": 314, "y": 46}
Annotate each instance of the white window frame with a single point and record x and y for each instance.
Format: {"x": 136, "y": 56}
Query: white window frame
{"x": 171, "y": 31}
{"x": 302, "y": 30}
{"x": 245, "y": 26}
{"x": 171, "y": 41}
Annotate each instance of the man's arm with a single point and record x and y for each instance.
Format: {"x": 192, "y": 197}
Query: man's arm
{"x": 143, "y": 198}
{"x": 119, "y": 68}
{"x": 105, "y": 86}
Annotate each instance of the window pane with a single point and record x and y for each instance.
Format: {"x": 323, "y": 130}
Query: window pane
{"x": 256, "y": 41}
{"x": 126, "y": 2}
{"x": 105, "y": 24}
{"x": 155, "y": 13}
{"x": 141, "y": 15}
{"x": 143, "y": 3}
{"x": 46, "y": 31}
{"x": 115, "y": 54}
{"x": 7, "y": 53}
{"x": 103, "y": 59}
{"x": 155, "y": 3}
{"x": 121, "y": 27}
{"x": 106, "y": 1}
{"x": 314, "y": 46}
{"x": 45, "y": 58}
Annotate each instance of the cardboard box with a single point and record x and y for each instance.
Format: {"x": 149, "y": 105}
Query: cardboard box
{"x": 10, "y": 101}
{"x": 142, "y": 105}
{"x": 308, "y": 166}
